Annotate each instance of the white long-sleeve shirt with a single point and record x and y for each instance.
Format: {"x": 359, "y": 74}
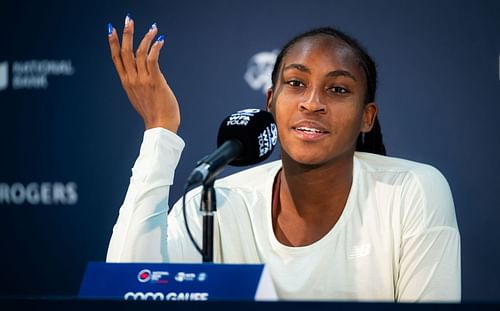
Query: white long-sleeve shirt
{"x": 396, "y": 240}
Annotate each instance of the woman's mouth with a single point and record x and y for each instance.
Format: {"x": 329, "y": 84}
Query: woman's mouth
{"x": 309, "y": 130}
{"x": 308, "y": 133}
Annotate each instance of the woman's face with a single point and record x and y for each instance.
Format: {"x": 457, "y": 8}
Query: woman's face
{"x": 318, "y": 101}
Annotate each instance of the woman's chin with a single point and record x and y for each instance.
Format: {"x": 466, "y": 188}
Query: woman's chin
{"x": 310, "y": 159}
{"x": 307, "y": 159}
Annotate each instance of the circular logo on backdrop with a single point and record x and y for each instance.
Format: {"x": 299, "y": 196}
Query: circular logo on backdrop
{"x": 259, "y": 70}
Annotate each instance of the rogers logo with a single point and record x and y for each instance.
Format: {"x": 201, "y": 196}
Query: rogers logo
{"x": 35, "y": 193}
{"x": 196, "y": 296}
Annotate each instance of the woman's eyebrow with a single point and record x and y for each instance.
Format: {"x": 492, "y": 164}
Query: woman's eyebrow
{"x": 334, "y": 73}
{"x": 343, "y": 73}
{"x": 299, "y": 67}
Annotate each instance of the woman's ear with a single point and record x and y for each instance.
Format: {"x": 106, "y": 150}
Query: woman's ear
{"x": 369, "y": 114}
{"x": 269, "y": 100}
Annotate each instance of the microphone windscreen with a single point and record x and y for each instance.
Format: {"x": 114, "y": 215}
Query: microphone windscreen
{"x": 255, "y": 129}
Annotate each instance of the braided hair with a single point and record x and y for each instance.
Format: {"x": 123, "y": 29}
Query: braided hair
{"x": 367, "y": 142}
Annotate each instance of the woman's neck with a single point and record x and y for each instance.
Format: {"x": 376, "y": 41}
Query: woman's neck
{"x": 311, "y": 199}
{"x": 317, "y": 188}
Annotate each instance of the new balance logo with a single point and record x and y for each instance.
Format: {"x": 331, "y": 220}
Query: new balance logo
{"x": 359, "y": 251}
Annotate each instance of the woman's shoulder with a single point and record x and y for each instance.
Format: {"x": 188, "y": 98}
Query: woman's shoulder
{"x": 424, "y": 192}
{"x": 395, "y": 168}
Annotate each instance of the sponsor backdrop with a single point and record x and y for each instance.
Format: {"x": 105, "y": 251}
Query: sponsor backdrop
{"x": 69, "y": 137}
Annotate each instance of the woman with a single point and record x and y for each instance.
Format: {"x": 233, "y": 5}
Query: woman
{"x": 328, "y": 221}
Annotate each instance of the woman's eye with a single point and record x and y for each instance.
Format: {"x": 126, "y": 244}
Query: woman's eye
{"x": 339, "y": 90}
{"x": 295, "y": 83}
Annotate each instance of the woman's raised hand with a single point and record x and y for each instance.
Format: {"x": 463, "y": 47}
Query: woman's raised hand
{"x": 141, "y": 77}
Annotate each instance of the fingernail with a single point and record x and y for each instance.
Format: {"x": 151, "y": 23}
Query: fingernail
{"x": 110, "y": 29}
{"x": 152, "y": 27}
{"x": 160, "y": 38}
{"x": 128, "y": 18}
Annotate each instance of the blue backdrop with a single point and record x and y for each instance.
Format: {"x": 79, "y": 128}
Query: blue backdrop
{"x": 69, "y": 137}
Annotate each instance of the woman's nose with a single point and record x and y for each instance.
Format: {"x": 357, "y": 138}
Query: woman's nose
{"x": 313, "y": 103}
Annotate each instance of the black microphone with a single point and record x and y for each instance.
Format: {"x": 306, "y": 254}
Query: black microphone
{"x": 245, "y": 137}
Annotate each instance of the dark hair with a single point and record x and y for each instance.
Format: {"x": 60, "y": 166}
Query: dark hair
{"x": 367, "y": 142}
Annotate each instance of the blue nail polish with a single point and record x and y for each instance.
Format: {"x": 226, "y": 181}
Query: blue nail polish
{"x": 153, "y": 26}
{"x": 160, "y": 38}
{"x": 110, "y": 29}
{"x": 128, "y": 18}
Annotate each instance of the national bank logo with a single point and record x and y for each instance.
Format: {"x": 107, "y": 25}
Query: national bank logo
{"x": 32, "y": 74}
{"x": 4, "y": 75}
{"x": 148, "y": 276}
{"x": 259, "y": 70}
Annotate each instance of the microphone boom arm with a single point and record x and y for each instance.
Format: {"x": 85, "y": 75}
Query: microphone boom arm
{"x": 210, "y": 167}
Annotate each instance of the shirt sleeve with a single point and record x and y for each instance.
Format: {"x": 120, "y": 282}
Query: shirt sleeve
{"x": 141, "y": 227}
{"x": 430, "y": 266}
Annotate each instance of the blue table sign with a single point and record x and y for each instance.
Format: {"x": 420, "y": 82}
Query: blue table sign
{"x": 167, "y": 281}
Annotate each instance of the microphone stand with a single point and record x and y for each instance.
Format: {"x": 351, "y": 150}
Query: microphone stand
{"x": 208, "y": 209}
